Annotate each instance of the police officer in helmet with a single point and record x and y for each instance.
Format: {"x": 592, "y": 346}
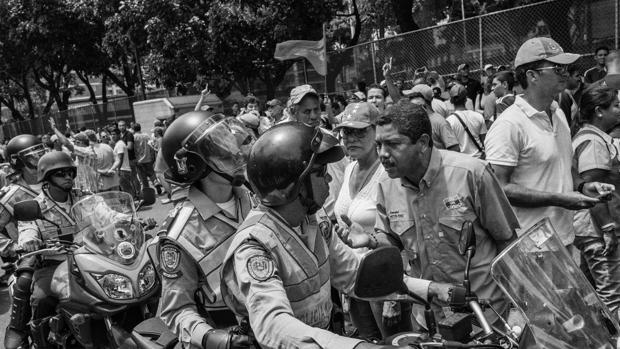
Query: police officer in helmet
{"x": 57, "y": 172}
{"x": 208, "y": 153}
{"x": 23, "y": 153}
{"x": 284, "y": 256}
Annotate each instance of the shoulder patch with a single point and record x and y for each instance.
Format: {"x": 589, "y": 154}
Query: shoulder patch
{"x": 261, "y": 267}
{"x": 169, "y": 259}
{"x": 325, "y": 229}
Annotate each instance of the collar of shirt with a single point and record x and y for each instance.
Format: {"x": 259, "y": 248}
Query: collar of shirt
{"x": 203, "y": 204}
{"x": 598, "y": 131}
{"x": 531, "y": 111}
{"x": 434, "y": 166}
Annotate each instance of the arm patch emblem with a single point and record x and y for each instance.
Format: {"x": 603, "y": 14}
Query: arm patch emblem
{"x": 170, "y": 258}
{"x": 261, "y": 267}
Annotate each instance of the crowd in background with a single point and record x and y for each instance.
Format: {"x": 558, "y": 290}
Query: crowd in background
{"x": 462, "y": 110}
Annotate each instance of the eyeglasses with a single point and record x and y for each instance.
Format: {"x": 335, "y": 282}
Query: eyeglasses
{"x": 558, "y": 69}
{"x": 353, "y": 132}
{"x": 63, "y": 173}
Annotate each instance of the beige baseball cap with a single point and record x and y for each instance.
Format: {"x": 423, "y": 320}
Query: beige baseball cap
{"x": 299, "y": 92}
{"x": 358, "y": 115}
{"x": 538, "y": 49}
{"x": 421, "y": 89}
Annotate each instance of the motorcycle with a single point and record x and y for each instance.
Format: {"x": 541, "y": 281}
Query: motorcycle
{"x": 558, "y": 307}
{"x": 107, "y": 285}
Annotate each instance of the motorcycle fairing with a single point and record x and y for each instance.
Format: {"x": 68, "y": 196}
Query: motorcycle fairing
{"x": 561, "y": 308}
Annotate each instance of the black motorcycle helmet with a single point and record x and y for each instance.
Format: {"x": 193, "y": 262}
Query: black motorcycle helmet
{"x": 282, "y": 157}
{"x": 25, "y": 151}
{"x": 199, "y": 142}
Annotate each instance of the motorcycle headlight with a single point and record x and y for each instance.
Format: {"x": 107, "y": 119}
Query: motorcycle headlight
{"x": 116, "y": 286}
{"x": 146, "y": 279}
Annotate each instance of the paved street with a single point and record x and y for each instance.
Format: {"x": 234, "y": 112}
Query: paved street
{"x": 157, "y": 211}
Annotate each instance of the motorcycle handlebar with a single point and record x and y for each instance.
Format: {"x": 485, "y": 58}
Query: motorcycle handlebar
{"x": 477, "y": 310}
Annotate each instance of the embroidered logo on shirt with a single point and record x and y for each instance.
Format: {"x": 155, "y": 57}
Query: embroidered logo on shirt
{"x": 453, "y": 202}
{"x": 260, "y": 267}
{"x": 170, "y": 258}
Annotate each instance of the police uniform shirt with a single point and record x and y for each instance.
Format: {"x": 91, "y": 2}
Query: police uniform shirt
{"x": 255, "y": 282}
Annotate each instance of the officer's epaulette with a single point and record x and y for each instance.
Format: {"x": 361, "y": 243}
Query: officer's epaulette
{"x": 165, "y": 225}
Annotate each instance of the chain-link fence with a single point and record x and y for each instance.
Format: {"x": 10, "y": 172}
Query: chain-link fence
{"x": 579, "y": 26}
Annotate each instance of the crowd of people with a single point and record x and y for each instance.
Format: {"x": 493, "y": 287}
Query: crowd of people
{"x": 277, "y": 205}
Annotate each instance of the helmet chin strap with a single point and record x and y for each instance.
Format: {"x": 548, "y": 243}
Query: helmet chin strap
{"x": 307, "y": 201}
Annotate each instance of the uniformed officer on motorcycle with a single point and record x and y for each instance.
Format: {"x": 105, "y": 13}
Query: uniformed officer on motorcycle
{"x": 57, "y": 172}
{"x": 23, "y": 152}
{"x": 284, "y": 256}
{"x": 207, "y": 152}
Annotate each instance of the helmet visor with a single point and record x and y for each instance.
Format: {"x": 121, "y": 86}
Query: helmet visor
{"x": 224, "y": 144}
{"x": 31, "y": 155}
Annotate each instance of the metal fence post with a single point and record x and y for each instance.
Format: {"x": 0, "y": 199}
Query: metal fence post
{"x": 480, "y": 43}
{"x": 374, "y": 63}
{"x": 616, "y": 24}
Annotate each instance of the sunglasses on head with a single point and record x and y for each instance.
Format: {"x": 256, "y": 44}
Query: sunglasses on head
{"x": 64, "y": 173}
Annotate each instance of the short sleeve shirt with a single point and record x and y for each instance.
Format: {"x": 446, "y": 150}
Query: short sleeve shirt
{"x": 593, "y": 150}
{"x": 121, "y": 149}
{"x": 128, "y": 137}
{"x": 541, "y": 153}
{"x": 428, "y": 219}
{"x": 594, "y": 74}
{"x": 442, "y": 134}
{"x": 476, "y": 126}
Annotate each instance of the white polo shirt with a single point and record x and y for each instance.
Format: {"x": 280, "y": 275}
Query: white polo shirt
{"x": 541, "y": 154}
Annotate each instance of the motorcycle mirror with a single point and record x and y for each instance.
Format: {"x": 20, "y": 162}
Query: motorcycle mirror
{"x": 27, "y": 210}
{"x": 467, "y": 239}
{"x": 380, "y": 273}
{"x": 148, "y": 196}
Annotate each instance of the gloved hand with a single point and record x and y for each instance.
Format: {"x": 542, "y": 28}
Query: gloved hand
{"x": 391, "y": 313}
{"x": 32, "y": 245}
{"x": 448, "y": 293}
{"x": 149, "y": 223}
{"x": 223, "y": 339}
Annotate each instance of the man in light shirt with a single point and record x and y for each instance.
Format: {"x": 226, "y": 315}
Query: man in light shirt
{"x": 530, "y": 147}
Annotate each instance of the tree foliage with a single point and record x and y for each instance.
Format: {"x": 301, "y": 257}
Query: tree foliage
{"x": 52, "y": 45}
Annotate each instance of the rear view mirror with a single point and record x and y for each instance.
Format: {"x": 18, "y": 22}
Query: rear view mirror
{"x": 27, "y": 210}
{"x": 467, "y": 239}
{"x": 148, "y": 196}
{"x": 380, "y": 273}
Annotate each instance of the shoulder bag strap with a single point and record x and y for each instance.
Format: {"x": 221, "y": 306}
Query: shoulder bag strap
{"x": 468, "y": 132}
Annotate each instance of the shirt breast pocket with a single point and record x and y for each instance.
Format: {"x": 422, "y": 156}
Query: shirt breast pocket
{"x": 450, "y": 231}
{"x": 401, "y": 226}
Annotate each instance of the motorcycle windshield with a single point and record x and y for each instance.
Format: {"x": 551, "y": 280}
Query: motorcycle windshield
{"x": 109, "y": 226}
{"x": 543, "y": 281}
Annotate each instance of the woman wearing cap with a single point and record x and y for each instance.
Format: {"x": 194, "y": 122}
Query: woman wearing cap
{"x": 356, "y": 205}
